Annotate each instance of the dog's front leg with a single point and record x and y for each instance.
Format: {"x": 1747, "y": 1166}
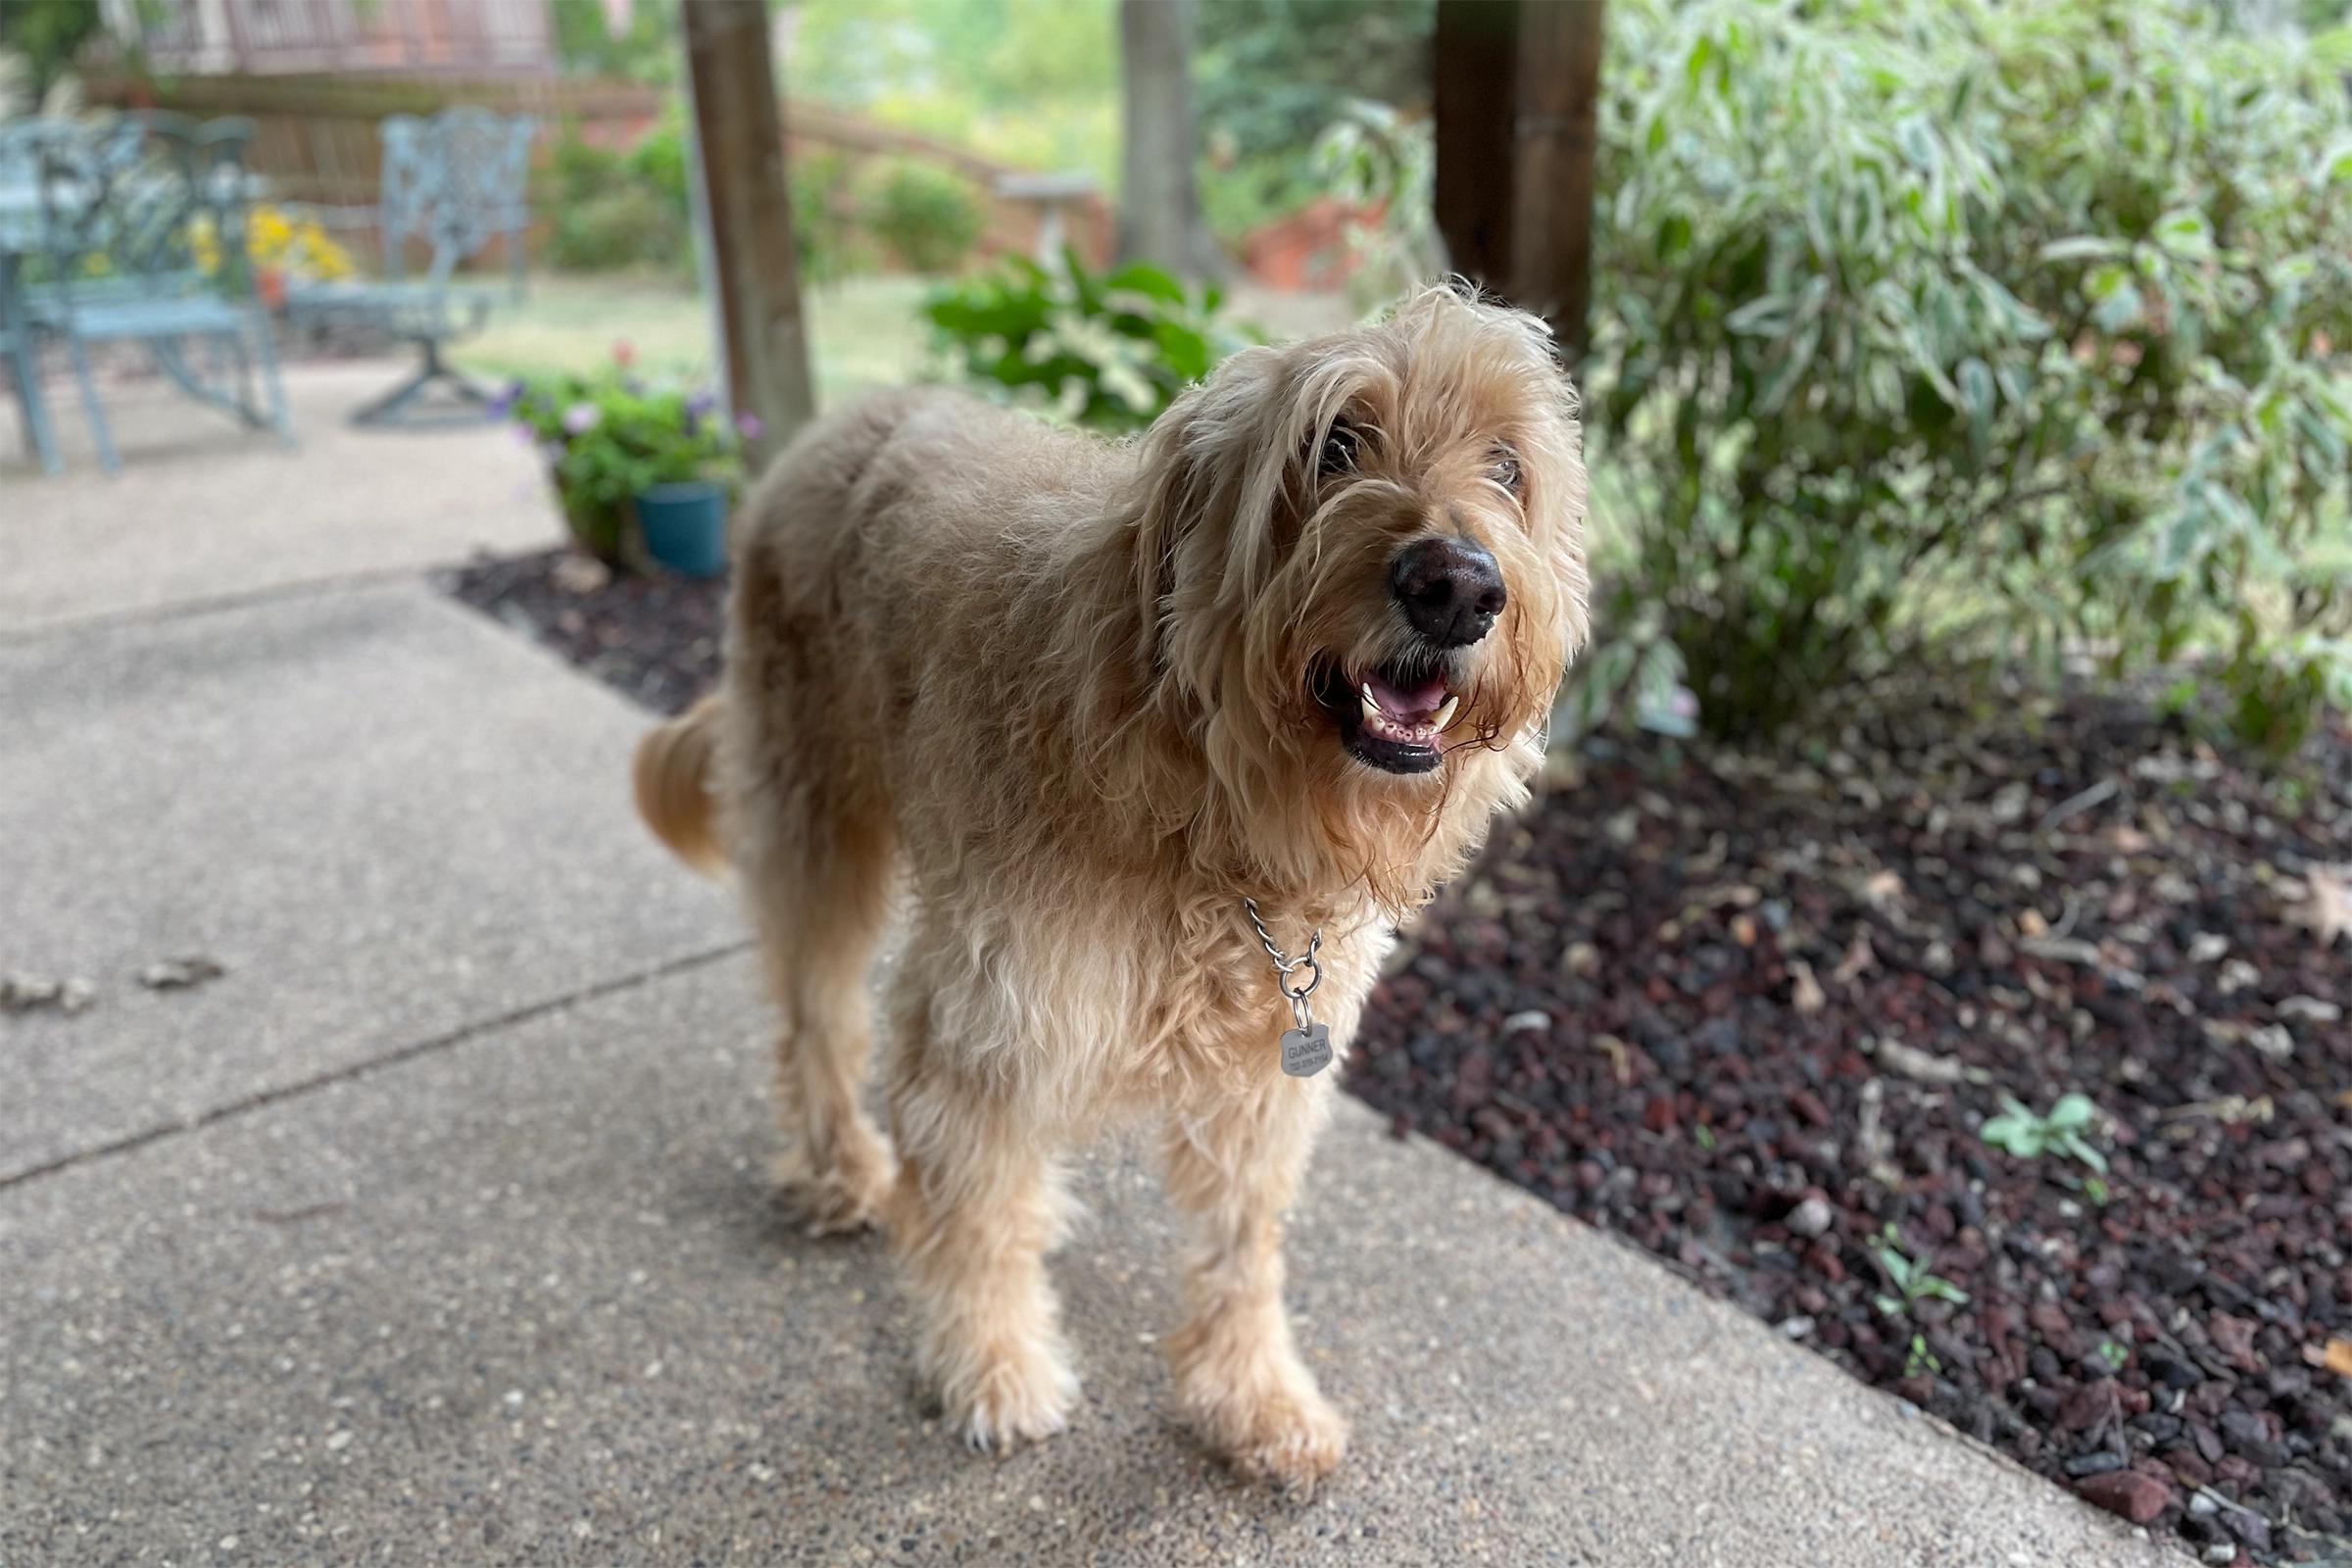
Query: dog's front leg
{"x": 976, "y": 1208}
{"x": 1234, "y": 1166}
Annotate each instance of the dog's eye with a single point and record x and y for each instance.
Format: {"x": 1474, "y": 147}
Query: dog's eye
{"x": 1504, "y": 469}
{"x": 1339, "y": 451}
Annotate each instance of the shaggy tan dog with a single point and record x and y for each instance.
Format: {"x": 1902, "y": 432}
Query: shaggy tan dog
{"x": 1080, "y": 700}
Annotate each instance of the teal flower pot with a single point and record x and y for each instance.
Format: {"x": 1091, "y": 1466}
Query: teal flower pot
{"x": 685, "y": 526}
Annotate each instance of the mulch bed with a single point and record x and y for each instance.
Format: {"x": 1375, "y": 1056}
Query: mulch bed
{"x": 1751, "y": 1010}
{"x": 656, "y": 639}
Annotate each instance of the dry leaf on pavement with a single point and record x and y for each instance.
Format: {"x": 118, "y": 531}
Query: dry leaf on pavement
{"x": 178, "y": 974}
{"x": 26, "y": 993}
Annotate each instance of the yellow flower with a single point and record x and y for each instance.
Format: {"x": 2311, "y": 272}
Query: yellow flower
{"x": 299, "y": 247}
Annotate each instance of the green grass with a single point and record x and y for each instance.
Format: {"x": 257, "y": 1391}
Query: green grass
{"x": 864, "y": 333}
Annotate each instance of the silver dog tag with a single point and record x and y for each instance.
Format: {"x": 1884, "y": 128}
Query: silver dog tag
{"x": 1307, "y": 1052}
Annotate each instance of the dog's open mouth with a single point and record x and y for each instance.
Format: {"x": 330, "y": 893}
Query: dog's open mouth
{"x": 1390, "y": 718}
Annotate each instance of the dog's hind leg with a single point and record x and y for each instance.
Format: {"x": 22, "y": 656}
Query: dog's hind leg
{"x": 1234, "y": 1163}
{"x": 978, "y": 1205}
{"x": 819, "y": 889}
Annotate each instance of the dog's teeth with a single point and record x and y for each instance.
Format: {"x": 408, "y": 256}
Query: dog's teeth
{"x": 1372, "y": 709}
{"x": 1446, "y": 714}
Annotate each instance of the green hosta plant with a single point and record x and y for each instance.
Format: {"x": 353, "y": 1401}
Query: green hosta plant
{"x": 1108, "y": 350}
{"x": 2028, "y": 1136}
{"x": 1923, "y": 318}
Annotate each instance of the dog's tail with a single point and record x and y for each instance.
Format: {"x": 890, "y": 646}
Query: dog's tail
{"x": 677, "y": 787}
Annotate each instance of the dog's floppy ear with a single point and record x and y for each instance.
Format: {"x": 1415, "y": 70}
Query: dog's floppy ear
{"x": 1214, "y": 468}
{"x": 1223, "y": 471}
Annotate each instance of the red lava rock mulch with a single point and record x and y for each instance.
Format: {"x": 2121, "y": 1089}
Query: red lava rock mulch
{"x": 1751, "y": 1010}
{"x": 656, "y": 639}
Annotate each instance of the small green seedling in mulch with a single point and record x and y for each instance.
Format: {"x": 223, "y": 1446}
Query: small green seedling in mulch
{"x": 2114, "y": 1354}
{"x": 1909, "y": 1276}
{"x": 1922, "y": 1360}
{"x": 2029, "y": 1137}
{"x": 1704, "y": 1137}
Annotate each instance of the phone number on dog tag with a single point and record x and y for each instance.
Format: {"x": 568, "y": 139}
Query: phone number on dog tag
{"x": 1307, "y": 1052}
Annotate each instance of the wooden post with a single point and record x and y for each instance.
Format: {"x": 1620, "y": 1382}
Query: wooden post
{"x": 741, "y": 130}
{"x": 1516, "y": 86}
{"x": 1474, "y": 61}
{"x": 1551, "y": 221}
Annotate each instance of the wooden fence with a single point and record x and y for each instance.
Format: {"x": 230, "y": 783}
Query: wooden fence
{"x": 315, "y": 142}
{"x": 280, "y": 38}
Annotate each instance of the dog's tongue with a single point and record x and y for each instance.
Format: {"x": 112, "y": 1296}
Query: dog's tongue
{"x": 1409, "y": 704}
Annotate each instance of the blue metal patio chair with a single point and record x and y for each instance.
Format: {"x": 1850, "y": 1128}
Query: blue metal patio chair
{"x": 144, "y": 224}
{"x": 457, "y": 180}
{"x": 21, "y": 239}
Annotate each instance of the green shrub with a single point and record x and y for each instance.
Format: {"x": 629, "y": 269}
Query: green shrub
{"x": 1110, "y": 351}
{"x": 663, "y": 159}
{"x": 928, "y": 217}
{"x": 614, "y": 209}
{"x": 824, "y": 218}
{"x": 1918, "y": 319}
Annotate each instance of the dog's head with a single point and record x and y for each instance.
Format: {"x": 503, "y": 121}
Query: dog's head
{"x": 1363, "y": 559}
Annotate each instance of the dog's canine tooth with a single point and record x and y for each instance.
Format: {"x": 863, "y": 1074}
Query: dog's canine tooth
{"x": 1444, "y": 715}
{"x": 1372, "y": 709}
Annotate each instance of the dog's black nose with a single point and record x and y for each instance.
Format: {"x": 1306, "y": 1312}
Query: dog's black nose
{"x": 1451, "y": 589}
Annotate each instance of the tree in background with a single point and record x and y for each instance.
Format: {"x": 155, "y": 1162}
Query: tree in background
{"x": 1034, "y": 83}
{"x": 48, "y": 35}
{"x": 1160, "y": 199}
{"x": 1271, "y": 76}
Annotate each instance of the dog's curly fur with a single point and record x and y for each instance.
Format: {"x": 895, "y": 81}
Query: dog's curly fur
{"x": 1077, "y": 698}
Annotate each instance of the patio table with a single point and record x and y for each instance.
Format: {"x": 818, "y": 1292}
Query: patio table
{"x": 21, "y": 224}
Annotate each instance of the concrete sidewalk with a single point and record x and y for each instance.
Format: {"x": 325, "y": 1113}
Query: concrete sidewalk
{"x": 436, "y": 1230}
{"x": 204, "y": 512}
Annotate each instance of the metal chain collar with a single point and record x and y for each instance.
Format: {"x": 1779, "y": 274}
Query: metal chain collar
{"x": 1284, "y": 966}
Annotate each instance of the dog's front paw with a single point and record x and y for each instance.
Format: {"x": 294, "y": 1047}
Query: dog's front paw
{"x": 848, "y": 1193}
{"x": 1270, "y": 1423}
{"x": 1004, "y": 1400}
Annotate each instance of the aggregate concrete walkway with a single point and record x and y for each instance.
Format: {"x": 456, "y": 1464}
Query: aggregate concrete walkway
{"x": 436, "y": 1232}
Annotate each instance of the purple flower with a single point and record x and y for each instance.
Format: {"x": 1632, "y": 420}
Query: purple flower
{"x": 749, "y": 426}
{"x": 581, "y": 418}
{"x": 504, "y": 403}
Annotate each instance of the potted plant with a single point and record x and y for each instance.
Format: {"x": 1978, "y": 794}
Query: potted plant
{"x": 640, "y": 470}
